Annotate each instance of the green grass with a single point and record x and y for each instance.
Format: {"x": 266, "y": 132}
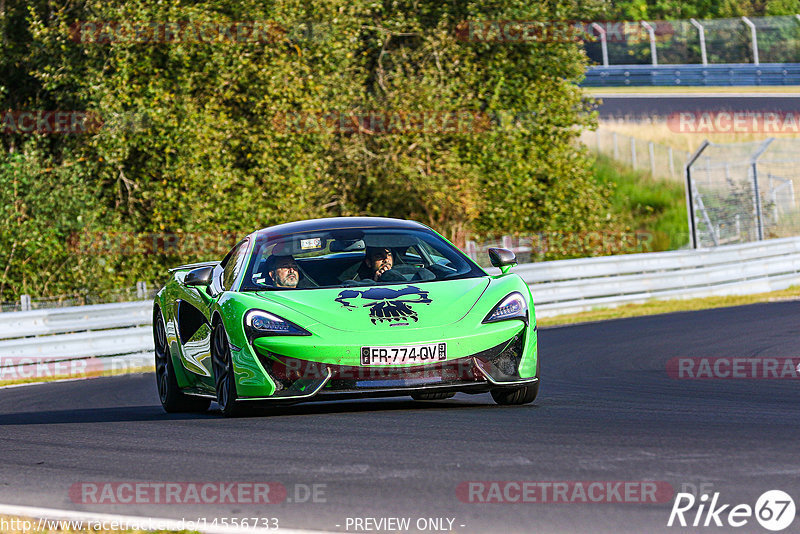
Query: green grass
{"x": 646, "y": 204}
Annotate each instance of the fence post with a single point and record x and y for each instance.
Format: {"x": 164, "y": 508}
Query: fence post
{"x": 773, "y": 193}
{"x": 603, "y": 42}
{"x": 671, "y": 163}
{"x": 652, "y": 149}
{"x": 25, "y": 302}
{"x": 616, "y": 146}
{"x": 633, "y": 152}
{"x": 652, "y": 34}
{"x": 701, "y": 32}
{"x": 689, "y": 197}
{"x": 754, "y": 166}
{"x": 753, "y": 37}
{"x": 141, "y": 290}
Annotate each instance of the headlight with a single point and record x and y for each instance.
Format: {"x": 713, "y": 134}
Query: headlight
{"x": 258, "y": 323}
{"x": 513, "y": 306}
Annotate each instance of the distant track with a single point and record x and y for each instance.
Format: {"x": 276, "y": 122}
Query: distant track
{"x": 633, "y": 105}
{"x": 607, "y": 411}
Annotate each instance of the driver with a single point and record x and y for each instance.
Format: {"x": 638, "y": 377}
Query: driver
{"x": 284, "y": 271}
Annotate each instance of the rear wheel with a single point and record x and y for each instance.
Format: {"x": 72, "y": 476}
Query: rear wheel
{"x": 513, "y": 396}
{"x": 431, "y": 396}
{"x": 224, "y": 379}
{"x": 172, "y": 398}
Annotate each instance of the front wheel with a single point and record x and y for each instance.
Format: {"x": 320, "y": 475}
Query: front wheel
{"x": 515, "y": 396}
{"x": 224, "y": 379}
{"x": 172, "y": 398}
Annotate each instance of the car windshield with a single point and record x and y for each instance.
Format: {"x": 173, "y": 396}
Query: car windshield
{"x": 353, "y": 257}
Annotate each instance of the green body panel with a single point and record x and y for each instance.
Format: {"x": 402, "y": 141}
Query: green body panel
{"x": 454, "y": 315}
{"x": 187, "y": 373}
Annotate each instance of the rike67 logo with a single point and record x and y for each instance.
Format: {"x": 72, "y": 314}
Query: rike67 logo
{"x": 774, "y": 510}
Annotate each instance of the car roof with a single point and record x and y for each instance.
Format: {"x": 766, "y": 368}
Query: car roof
{"x": 338, "y": 223}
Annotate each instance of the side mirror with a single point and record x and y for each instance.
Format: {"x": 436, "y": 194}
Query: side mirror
{"x": 199, "y": 277}
{"x": 502, "y": 258}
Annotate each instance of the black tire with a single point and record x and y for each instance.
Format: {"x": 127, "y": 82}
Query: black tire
{"x": 515, "y": 396}
{"x": 172, "y": 398}
{"x": 224, "y": 380}
{"x": 431, "y": 396}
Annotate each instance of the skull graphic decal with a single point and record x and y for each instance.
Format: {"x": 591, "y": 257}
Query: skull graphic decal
{"x": 385, "y": 305}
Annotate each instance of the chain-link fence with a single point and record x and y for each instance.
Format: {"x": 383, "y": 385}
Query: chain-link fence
{"x": 742, "y": 192}
{"x": 127, "y": 294}
{"x": 660, "y": 161}
{"x": 707, "y": 42}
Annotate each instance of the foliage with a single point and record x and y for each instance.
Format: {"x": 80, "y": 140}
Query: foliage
{"x": 193, "y": 144}
{"x": 42, "y": 208}
{"x": 657, "y": 207}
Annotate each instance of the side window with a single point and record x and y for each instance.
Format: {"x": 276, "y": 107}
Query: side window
{"x": 233, "y": 265}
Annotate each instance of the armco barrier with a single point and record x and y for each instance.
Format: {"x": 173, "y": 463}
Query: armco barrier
{"x": 570, "y": 286}
{"x": 693, "y": 75}
{"x": 566, "y": 286}
{"x": 119, "y": 334}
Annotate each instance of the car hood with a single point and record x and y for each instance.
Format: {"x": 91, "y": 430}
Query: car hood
{"x": 408, "y": 305}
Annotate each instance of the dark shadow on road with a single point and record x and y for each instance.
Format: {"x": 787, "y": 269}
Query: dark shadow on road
{"x": 156, "y": 413}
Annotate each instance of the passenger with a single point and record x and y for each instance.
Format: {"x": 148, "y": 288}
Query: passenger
{"x": 377, "y": 261}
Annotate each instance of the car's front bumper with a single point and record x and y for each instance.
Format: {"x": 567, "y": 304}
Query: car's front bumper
{"x": 298, "y": 380}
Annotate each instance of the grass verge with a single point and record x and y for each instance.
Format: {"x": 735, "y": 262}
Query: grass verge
{"x": 667, "y": 306}
{"x": 661, "y": 132}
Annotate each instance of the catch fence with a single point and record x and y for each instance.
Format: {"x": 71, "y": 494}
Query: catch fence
{"x": 660, "y": 161}
{"x": 740, "y": 40}
{"x": 743, "y": 192}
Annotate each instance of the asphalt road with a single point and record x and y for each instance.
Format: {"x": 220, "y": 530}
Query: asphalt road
{"x": 607, "y": 411}
{"x": 649, "y": 105}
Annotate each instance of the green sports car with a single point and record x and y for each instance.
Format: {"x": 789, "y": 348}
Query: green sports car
{"x": 342, "y": 308}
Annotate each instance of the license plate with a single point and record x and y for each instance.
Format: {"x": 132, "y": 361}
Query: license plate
{"x": 404, "y": 354}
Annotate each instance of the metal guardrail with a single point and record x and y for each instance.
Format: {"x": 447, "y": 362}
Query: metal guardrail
{"x": 693, "y": 75}
{"x": 75, "y": 319}
{"x": 565, "y": 286}
{"x": 571, "y": 286}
